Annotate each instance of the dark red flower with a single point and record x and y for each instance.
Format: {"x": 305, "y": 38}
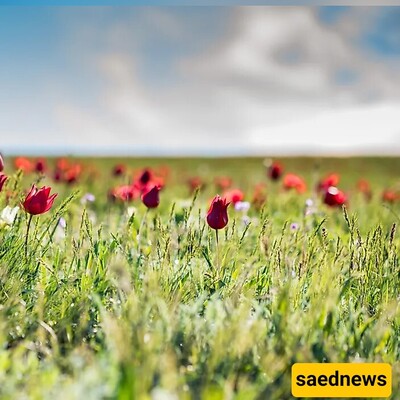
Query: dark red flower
{"x": 233, "y": 196}
{"x": 40, "y": 165}
{"x": 151, "y": 197}
{"x": 1, "y": 163}
{"x": 217, "y": 215}
{"x": 292, "y": 181}
{"x": 334, "y": 197}
{"x": 58, "y": 175}
{"x": 145, "y": 176}
{"x": 275, "y": 171}
{"x": 146, "y": 180}
{"x": 119, "y": 170}
{"x": 38, "y": 201}
{"x": 3, "y": 179}
{"x": 328, "y": 181}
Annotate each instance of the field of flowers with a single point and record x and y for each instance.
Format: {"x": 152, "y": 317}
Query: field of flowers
{"x": 132, "y": 278}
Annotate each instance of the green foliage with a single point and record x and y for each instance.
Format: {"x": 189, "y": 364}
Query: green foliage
{"x": 119, "y": 305}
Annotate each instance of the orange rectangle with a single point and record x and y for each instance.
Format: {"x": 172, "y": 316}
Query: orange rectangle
{"x": 341, "y": 380}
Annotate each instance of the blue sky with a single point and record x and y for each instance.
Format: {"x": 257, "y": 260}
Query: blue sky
{"x": 199, "y": 80}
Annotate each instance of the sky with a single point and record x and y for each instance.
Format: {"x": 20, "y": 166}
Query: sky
{"x": 208, "y": 81}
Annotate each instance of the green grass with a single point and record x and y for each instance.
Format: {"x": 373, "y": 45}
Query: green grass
{"x": 99, "y": 311}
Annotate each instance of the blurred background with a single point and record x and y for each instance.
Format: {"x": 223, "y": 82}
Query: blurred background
{"x": 205, "y": 81}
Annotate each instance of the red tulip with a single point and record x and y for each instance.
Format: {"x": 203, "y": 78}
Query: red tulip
{"x": 292, "y": 181}
{"x": 151, "y": 198}
{"x": 40, "y": 165}
{"x": 259, "y": 196}
{"x": 223, "y": 182}
{"x": 124, "y": 193}
{"x": 195, "y": 183}
{"x": 1, "y": 163}
{"x": 217, "y": 215}
{"x": 72, "y": 173}
{"x": 146, "y": 180}
{"x": 3, "y": 179}
{"x": 364, "y": 187}
{"x": 328, "y": 181}
{"x": 234, "y": 196}
{"x": 145, "y": 176}
{"x": 119, "y": 170}
{"x": 334, "y": 197}
{"x": 275, "y": 171}
{"x": 62, "y": 164}
{"x": 24, "y": 164}
{"x": 38, "y": 201}
{"x": 58, "y": 175}
{"x": 389, "y": 196}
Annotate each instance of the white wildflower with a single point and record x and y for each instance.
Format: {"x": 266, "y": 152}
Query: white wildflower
{"x": 242, "y": 206}
{"x": 88, "y": 198}
{"x": 8, "y": 215}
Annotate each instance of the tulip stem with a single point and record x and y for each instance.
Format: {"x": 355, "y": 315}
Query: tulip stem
{"x": 217, "y": 245}
{"x": 141, "y": 228}
{"x": 27, "y": 235}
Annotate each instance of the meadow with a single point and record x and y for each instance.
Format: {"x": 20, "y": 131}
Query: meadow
{"x": 106, "y": 299}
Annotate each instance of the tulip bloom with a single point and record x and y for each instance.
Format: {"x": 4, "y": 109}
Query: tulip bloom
{"x": 72, "y": 173}
{"x": 62, "y": 164}
{"x": 145, "y": 177}
{"x": 292, "y": 181}
{"x": 328, "y": 181}
{"x": 275, "y": 171}
{"x": 124, "y": 193}
{"x": 24, "y": 164}
{"x": 259, "y": 195}
{"x": 234, "y": 196}
{"x": 58, "y": 175}
{"x": 40, "y": 165}
{"x": 38, "y": 201}
{"x": 223, "y": 182}
{"x": 1, "y": 163}
{"x": 389, "y": 196}
{"x": 195, "y": 183}
{"x": 364, "y": 187}
{"x": 3, "y": 179}
{"x": 146, "y": 180}
{"x": 334, "y": 197}
{"x": 119, "y": 170}
{"x": 151, "y": 198}
{"x": 217, "y": 215}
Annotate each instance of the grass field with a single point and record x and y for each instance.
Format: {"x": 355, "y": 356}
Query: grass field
{"x": 117, "y": 302}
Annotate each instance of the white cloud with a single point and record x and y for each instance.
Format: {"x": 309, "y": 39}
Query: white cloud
{"x": 268, "y": 85}
{"x": 372, "y": 128}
